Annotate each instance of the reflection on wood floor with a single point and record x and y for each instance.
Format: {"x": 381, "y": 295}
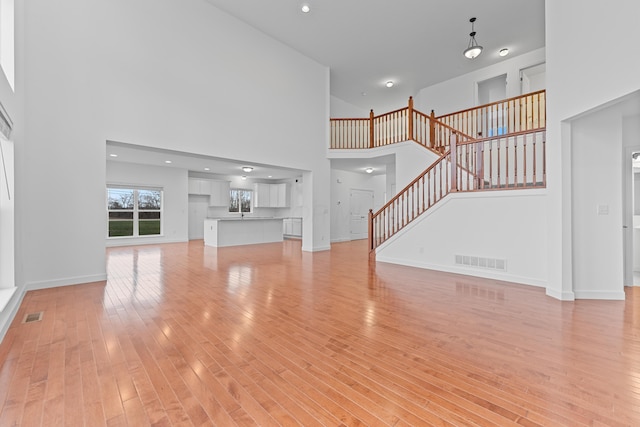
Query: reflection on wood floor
{"x": 183, "y": 334}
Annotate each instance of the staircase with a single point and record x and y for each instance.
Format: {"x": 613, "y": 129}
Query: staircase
{"x": 506, "y": 152}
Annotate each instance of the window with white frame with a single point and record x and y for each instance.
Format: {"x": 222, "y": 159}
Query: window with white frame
{"x": 240, "y": 200}
{"x": 134, "y": 212}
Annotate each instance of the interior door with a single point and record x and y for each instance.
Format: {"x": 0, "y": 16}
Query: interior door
{"x": 360, "y": 201}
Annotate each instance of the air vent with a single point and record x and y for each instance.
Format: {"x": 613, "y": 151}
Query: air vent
{"x": 481, "y": 262}
{"x": 33, "y": 317}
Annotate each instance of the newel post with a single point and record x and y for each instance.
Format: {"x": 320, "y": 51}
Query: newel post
{"x": 371, "y": 144}
{"x": 432, "y": 129}
{"x": 410, "y": 118}
{"x": 453, "y": 147}
{"x": 371, "y": 230}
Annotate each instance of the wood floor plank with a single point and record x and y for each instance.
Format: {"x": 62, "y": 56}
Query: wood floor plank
{"x": 183, "y": 334}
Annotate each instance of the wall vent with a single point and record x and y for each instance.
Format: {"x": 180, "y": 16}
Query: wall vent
{"x": 33, "y": 317}
{"x": 481, "y": 262}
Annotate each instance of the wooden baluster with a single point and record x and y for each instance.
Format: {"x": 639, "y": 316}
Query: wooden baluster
{"x": 410, "y": 119}
{"x": 524, "y": 160}
{"x": 432, "y": 129}
{"x": 371, "y": 130}
{"x": 535, "y": 162}
{"x": 453, "y": 143}
{"x": 480, "y": 164}
{"x": 371, "y": 247}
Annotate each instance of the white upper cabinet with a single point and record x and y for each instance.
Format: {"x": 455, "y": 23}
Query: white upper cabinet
{"x": 199, "y": 186}
{"x": 270, "y": 195}
{"x": 219, "y": 193}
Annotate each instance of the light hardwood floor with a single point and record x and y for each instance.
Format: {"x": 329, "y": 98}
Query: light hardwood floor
{"x": 183, "y": 334}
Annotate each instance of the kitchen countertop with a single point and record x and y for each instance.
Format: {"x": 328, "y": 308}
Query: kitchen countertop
{"x": 246, "y": 218}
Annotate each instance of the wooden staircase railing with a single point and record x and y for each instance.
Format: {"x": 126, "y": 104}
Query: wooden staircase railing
{"x": 418, "y": 196}
{"x": 512, "y": 115}
{"x": 518, "y": 114}
{"x": 506, "y": 151}
{"x": 514, "y": 161}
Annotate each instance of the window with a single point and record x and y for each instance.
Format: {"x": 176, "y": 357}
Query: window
{"x": 134, "y": 212}
{"x": 240, "y": 200}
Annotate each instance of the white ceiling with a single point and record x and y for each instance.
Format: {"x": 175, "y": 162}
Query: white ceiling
{"x": 415, "y": 43}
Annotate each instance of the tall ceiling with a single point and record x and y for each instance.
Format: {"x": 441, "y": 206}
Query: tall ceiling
{"x": 365, "y": 43}
{"x": 415, "y": 43}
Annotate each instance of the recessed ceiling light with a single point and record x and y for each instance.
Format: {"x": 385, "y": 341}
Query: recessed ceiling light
{"x": 368, "y": 170}
{"x": 113, "y": 155}
{"x": 389, "y": 83}
{"x": 168, "y": 162}
{"x": 305, "y": 8}
{"x": 207, "y": 169}
{"x": 503, "y": 52}
{"x": 270, "y": 176}
{"x": 247, "y": 169}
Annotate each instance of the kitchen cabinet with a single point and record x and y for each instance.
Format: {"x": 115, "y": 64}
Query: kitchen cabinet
{"x": 199, "y": 186}
{"x": 270, "y": 195}
{"x": 262, "y": 195}
{"x": 219, "y": 194}
{"x": 292, "y": 227}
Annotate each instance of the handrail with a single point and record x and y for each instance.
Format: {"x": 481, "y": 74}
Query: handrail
{"x": 414, "y": 199}
{"x": 508, "y": 152}
{"x": 511, "y": 115}
{"x": 513, "y": 161}
{"x": 492, "y": 103}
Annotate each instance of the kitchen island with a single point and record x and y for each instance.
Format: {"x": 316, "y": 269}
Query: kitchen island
{"x": 221, "y": 232}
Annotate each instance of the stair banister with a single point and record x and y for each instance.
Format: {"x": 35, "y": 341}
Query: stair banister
{"x": 453, "y": 147}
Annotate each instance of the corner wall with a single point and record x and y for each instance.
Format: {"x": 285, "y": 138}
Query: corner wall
{"x": 578, "y": 59}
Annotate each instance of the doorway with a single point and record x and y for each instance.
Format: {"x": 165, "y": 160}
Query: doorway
{"x": 492, "y": 90}
{"x": 533, "y": 79}
{"x": 360, "y": 201}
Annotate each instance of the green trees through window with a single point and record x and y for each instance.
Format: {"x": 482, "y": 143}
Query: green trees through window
{"x": 240, "y": 200}
{"x": 134, "y": 212}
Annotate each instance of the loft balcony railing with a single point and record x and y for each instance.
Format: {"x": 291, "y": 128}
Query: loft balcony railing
{"x": 404, "y": 124}
{"x": 518, "y": 114}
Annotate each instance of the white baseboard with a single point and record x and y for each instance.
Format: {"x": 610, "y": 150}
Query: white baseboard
{"x": 559, "y": 295}
{"x": 67, "y": 281}
{"x": 317, "y": 248}
{"x": 601, "y": 295}
{"x": 530, "y": 281}
{"x": 9, "y": 312}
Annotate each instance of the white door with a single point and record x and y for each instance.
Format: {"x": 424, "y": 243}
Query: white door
{"x": 360, "y": 201}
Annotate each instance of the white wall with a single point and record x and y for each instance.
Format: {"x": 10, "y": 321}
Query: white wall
{"x": 175, "y": 201}
{"x": 578, "y": 58}
{"x": 174, "y": 75}
{"x": 341, "y": 109}
{"x": 411, "y": 160}
{"x": 460, "y": 93}
{"x": 597, "y": 205}
{"x": 499, "y": 225}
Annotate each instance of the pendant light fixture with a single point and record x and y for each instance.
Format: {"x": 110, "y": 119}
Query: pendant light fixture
{"x": 474, "y": 49}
